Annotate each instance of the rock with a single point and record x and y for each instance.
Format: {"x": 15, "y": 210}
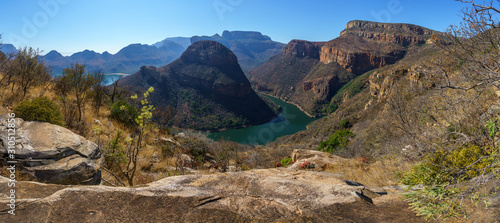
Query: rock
{"x": 53, "y": 154}
{"x": 186, "y": 161}
{"x": 233, "y": 169}
{"x": 315, "y": 159}
{"x": 266, "y": 195}
{"x": 302, "y": 48}
{"x": 181, "y": 135}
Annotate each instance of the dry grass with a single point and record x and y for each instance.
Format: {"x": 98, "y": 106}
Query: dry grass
{"x": 380, "y": 173}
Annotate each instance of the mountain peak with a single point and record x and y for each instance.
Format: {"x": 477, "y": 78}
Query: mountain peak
{"x": 208, "y": 76}
{"x": 52, "y": 55}
{"x": 8, "y": 48}
{"x": 208, "y": 52}
{"x": 302, "y": 48}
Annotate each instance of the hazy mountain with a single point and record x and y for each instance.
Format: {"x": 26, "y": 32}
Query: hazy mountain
{"x": 8, "y": 48}
{"x": 251, "y": 48}
{"x": 206, "y": 87}
{"x": 127, "y": 60}
{"x": 183, "y": 41}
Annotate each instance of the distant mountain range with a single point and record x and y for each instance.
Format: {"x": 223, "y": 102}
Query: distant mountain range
{"x": 127, "y": 60}
{"x": 251, "y": 48}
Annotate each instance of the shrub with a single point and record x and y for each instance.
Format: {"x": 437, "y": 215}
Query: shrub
{"x": 39, "y": 109}
{"x": 285, "y": 162}
{"x": 337, "y": 141}
{"x": 437, "y": 174}
{"x": 124, "y": 112}
{"x": 345, "y": 123}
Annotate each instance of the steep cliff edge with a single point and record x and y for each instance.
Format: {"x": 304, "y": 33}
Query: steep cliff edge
{"x": 311, "y": 73}
{"x": 206, "y": 87}
{"x": 365, "y": 45}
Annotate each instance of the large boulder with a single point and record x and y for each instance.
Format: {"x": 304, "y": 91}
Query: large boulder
{"x": 51, "y": 153}
{"x": 267, "y": 195}
{"x": 311, "y": 159}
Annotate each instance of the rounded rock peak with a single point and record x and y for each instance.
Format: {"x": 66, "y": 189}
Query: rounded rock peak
{"x": 208, "y": 52}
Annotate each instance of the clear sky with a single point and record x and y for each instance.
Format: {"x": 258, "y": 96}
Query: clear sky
{"x": 70, "y": 26}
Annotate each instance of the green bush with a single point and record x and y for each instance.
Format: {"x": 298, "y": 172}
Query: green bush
{"x": 124, "y": 112}
{"x": 437, "y": 173}
{"x": 337, "y": 141}
{"x": 345, "y": 123}
{"x": 39, "y": 109}
{"x": 286, "y": 162}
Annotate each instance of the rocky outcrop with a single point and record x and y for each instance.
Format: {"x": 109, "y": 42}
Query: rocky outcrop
{"x": 53, "y": 154}
{"x": 205, "y": 87}
{"x": 310, "y": 73}
{"x": 400, "y": 33}
{"x": 268, "y": 195}
{"x": 365, "y": 45}
{"x": 312, "y": 159}
{"x": 359, "y": 62}
{"x": 302, "y": 48}
{"x": 297, "y": 75}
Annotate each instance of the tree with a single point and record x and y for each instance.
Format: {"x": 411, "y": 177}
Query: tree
{"x": 74, "y": 88}
{"x": 124, "y": 159}
{"x": 27, "y": 70}
{"x": 98, "y": 93}
{"x": 463, "y": 75}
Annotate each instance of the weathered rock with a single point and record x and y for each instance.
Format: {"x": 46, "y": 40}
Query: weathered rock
{"x": 52, "y": 154}
{"x": 365, "y": 45}
{"x": 312, "y": 159}
{"x": 269, "y": 195}
{"x": 311, "y": 73}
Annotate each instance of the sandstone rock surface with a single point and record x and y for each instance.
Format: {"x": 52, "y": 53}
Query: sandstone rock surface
{"x": 52, "y": 154}
{"x": 268, "y": 195}
{"x": 315, "y": 159}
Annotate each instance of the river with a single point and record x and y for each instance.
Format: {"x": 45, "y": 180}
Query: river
{"x": 290, "y": 121}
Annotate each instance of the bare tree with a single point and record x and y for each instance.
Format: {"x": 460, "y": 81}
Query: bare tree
{"x": 27, "y": 70}
{"x": 74, "y": 87}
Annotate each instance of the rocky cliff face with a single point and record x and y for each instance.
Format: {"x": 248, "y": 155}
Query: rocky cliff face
{"x": 364, "y": 45}
{"x": 298, "y": 75}
{"x": 310, "y": 74}
{"x": 206, "y": 87}
{"x": 302, "y": 48}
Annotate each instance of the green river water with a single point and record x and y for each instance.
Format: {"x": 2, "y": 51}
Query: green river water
{"x": 290, "y": 121}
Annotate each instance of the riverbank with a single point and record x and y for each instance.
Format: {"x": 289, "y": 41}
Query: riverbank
{"x": 290, "y": 121}
{"x": 290, "y": 102}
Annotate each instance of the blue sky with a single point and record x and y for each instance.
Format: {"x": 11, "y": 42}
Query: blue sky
{"x": 70, "y": 26}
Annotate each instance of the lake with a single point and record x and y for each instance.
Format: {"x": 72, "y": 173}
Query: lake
{"x": 108, "y": 78}
{"x": 290, "y": 121}
{"x": 111, "y": 78}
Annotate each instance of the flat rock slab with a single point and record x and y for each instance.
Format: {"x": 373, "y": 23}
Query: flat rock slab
{"x": 268, "y": 195}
